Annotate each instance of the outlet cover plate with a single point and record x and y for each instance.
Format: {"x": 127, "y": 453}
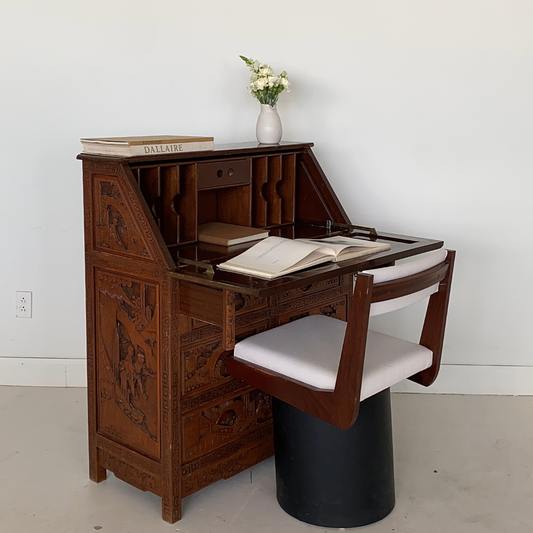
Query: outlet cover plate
{"x": 23, "y": 304}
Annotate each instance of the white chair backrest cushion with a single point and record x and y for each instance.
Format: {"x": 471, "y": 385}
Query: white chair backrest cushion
{"x": 380, "y": 308}
{"x": 402, "y": 270}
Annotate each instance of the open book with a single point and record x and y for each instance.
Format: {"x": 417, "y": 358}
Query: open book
{"x": 276, "y": 256}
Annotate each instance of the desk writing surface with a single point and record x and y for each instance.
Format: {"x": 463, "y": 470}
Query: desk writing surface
{"x": 402, "y": 246}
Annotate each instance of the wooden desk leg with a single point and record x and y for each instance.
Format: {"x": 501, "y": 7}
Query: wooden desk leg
{"x": 97, "y": 473}
{"x": 171, "y": 416}
{"x": 228, "y": 321}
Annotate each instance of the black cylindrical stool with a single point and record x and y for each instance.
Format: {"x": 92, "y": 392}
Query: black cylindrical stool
{"x": 334, "y": 478}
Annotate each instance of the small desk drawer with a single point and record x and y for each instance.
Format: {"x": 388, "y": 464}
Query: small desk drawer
{"x": 224, "y": 174}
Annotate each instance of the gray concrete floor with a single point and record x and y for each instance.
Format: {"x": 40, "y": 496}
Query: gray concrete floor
{"x": 463, "y": 464}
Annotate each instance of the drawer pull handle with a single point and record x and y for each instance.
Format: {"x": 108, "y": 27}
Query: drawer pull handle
{"x": 220, "y": 173}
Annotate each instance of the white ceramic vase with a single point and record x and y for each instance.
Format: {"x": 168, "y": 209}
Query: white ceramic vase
{"x": 268, "y": 129}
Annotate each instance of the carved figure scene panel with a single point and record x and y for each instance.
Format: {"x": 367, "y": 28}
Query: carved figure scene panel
{"x": 127, "y": 354}
{"x": 204, "y": 364}
{"x": 116, "y": 227}
{"x": 208, "y": 429}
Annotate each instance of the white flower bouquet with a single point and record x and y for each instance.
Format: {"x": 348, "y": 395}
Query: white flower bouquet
{"x": 264, "y": 84}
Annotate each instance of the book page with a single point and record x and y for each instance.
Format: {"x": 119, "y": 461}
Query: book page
{"x": 349, "y": 247}
{"x": 277, "y": 255}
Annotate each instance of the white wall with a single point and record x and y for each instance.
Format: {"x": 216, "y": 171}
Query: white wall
{"x": 421, "y": 114}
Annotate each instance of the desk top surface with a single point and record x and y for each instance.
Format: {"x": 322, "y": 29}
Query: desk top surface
{"x": 220, "y": 151}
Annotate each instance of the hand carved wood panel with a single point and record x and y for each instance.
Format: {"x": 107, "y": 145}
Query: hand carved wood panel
{"x": 210, "y": 428}
{"x": 245, "y": 303}
{"x": 204, "y": 364}
{"x": 335, "y": 309}
{"x": 116, "y": 228}
{"x": 142, "y": 480}
{"x": 310, "y": 289}
{"x": 127, "y": 341}
{"x": 228, "y": 460}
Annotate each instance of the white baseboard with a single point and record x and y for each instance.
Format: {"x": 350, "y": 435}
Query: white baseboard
{"x": 40, "y": 372}
{"x": 477, "y": 379}
{"x": 453, "y": 379}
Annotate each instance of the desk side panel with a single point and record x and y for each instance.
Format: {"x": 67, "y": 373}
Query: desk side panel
{"x": 315, "y": 199}
{"x": 118, "y": 221}
{"x": 133, "y": 385}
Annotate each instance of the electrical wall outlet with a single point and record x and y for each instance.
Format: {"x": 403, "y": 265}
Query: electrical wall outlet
{"x": 23, "y": 307}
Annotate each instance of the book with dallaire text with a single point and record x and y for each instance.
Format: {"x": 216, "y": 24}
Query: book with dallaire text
{"x": 146, "y": 145}
{"x": 276, "y": 256}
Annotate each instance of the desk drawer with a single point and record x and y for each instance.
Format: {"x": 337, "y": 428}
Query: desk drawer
{"x": 204, "y": 363}
{"x": 335, "y": 309}
{"x": 309, "y": 289}
{"x": 224, "y": 174}
{"x": 222, "y": 463}
{"x": 213, "y": 426}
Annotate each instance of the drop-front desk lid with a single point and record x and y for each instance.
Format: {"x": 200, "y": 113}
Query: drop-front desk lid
{"x": 197, "y": 263}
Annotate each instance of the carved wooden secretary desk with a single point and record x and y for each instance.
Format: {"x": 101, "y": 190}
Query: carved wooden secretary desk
{"x": 164, "y": 414}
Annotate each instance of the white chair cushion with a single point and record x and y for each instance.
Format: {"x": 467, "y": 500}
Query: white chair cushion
{"x": 308, "y": 350}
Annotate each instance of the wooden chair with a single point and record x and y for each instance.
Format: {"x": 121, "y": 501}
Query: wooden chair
{"x": 331, "y": 369}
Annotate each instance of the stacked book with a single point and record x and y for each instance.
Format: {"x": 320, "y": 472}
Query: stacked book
{"x": 146, "y": 145}
{"x": 229, "y": 234}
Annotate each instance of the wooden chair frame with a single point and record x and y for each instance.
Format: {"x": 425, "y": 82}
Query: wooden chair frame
{"x": 340, "y": 407}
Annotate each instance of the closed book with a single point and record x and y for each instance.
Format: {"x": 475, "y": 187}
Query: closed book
{"x": 229, "y": 234}
{"x": 146, "y": 145}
